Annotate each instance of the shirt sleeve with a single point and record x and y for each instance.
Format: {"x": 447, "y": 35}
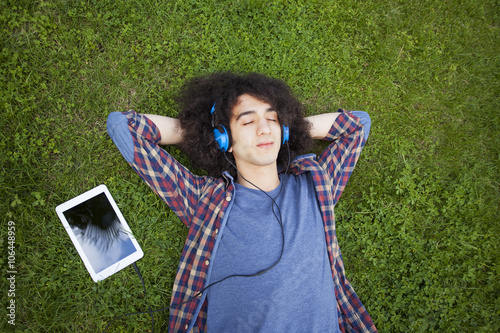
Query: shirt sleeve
{"x": 348, "y": 135}
{"x": 137, "y": 138}
{"x": 365, "y": 120}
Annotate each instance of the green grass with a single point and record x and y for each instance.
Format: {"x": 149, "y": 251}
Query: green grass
{"x": 417, "y": 224}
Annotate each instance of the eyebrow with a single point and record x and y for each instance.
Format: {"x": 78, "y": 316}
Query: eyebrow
{"x": 245, "y": 113}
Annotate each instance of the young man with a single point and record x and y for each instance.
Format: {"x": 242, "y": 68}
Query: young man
{"x": 261, "y": 252}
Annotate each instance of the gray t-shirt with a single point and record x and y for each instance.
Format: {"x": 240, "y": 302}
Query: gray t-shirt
{"x": 297, "y": 295}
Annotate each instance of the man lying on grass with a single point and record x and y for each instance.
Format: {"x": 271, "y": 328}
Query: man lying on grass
{"x": 261, "y": 252}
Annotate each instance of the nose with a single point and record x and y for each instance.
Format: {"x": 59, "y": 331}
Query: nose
{"x": 263, "y": 127}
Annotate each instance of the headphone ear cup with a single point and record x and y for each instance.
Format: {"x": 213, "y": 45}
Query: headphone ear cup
{"x": 286, "y": 133}
{"x": 221, "y": 138}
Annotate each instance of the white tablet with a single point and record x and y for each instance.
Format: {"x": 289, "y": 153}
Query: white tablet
{"x": 99, "y": 232}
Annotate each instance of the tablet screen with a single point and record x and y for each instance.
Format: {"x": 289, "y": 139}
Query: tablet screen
{"x": 99, "y": 232}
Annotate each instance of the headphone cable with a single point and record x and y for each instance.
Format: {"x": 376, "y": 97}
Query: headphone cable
{"x": 278, "y": 217}
{"x": 145, "y": 296}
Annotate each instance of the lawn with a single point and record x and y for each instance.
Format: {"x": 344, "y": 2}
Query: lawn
{"x": 418, "y": 223}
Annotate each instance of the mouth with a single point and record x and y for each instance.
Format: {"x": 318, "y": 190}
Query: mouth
{"x": 265, "y": 144}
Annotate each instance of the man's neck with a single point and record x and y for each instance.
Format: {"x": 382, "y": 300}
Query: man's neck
{"x": 264, "y": 178}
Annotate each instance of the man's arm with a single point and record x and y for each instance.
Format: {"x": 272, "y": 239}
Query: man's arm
{"x": 348, "y": 133}
{"x": 137, "y": 137}
{"x": 170, "y": 129}
{"x": 321, "y": 124}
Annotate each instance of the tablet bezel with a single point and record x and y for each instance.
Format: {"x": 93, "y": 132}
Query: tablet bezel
{"x": 117, "y": 266}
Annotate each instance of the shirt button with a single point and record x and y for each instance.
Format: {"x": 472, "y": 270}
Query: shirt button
{"x": 186, "y": 327}
{"x": 228, "y": 198}
{"x": 207, "y": 262}
{"x": 216, "y": 231}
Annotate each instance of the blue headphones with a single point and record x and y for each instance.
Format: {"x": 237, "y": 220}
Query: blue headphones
{"x": 222, "y": 138}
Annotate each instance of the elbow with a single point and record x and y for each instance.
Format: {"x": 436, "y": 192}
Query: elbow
{"x": 365, "y": 120}
{"x": 118, "y": 130}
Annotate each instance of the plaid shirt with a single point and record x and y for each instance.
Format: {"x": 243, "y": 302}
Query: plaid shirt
{"x": 203, "y": 205}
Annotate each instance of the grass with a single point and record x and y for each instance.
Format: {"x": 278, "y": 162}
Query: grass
{"x": 418, "y": 223}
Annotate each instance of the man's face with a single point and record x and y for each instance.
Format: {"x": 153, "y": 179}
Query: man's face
{"x": 255, "y": 133}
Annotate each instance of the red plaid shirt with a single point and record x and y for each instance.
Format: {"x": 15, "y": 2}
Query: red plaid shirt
{"x": 203, "y": 204}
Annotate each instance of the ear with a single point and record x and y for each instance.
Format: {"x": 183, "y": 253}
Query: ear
{"x": 230, "y": 150}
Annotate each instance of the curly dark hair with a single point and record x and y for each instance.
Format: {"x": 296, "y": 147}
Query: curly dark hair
{"x": 199, "y": 94}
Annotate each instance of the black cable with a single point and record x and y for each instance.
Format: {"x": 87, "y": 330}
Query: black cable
{"x": 280, "y": 221}
{"x": 278, "y": 217}
{"x": 145, "y": 296}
